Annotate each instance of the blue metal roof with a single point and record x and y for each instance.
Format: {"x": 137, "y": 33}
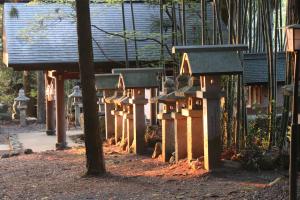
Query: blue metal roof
{"x": 256, "y": 68}
{"x": 45, "y": 34}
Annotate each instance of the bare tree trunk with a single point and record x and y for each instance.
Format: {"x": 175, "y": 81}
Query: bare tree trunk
{"x": 125, "y": 35}
{"x": 216, "y": 2}
{"x": 293, "y": 17}
{"x": 41, "y": 106}
{"x": 93, "y": 143}
{"x": 183, "y": 23}
{"x": 27, "y": 90}
{"x": 272, "y": 94}
{"x": 250, "y": 26}
{"x": 134, "y": 35}
{"x": 203, "y": 21}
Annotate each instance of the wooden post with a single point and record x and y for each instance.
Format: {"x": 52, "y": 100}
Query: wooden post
{"x": 50, "y": 117}
{"x": 124, "y": 127}
{"x": 153, "y": 108}
{"x": 130, "y": 129}
{"x": 118, "y": 123}
{"x": 168, "y": 138}
{"x": 295, "y": 131}
{"x": 50, "y": 106}
{"x": 109, "y": 118}
{"x": 41, "y": 98}
{"x": 180, "y": 129}
{"x": 195, "y": 146}
{"x": 194, "y": 114}
{"x": 211, "y": 121}
{"x": 60, "y": 112}
{"x": 138, "y": 100}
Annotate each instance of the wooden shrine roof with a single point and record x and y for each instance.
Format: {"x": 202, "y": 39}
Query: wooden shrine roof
{"x": 107, "y": 81}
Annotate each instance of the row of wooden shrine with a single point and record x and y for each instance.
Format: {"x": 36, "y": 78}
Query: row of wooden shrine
{"x": 190, "y": 117}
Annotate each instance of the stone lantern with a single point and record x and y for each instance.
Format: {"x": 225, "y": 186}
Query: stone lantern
{"x": 21, "y": 102}
{"x": 76, "y": 96}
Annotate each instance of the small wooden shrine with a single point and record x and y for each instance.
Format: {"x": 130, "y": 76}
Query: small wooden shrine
{"x": 134, "y": 81}
{"x": 108, "y": 83}
{"x": 206, "y": 75}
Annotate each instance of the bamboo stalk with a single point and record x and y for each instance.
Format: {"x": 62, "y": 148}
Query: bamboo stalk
{"x": 124, "y": 34}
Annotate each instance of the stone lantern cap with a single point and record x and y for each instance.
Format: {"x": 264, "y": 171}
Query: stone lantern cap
{"x": 99, "y": 94}
{"x": 124, "y": 100}
{"x": 210, "y": 59}
{"x": 112, "y": 98}
{"x": 187, "y": 91}
{"x": 21, "y": 97}
{"x": 170, "y": 98}
{"x": 134, "y": 78}
{"x": 76, "y": 92}
{"x": 107, "y": 81}
{"x": 190, "y": 90}
{"x": 288, "y": 90}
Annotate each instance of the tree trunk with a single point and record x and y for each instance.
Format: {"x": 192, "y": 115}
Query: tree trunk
{"x": 41, "y": 108}
{"x": 27, "y": 90}
{"x": 134, "y": 35}
{"x": 183, "y": 23}
{"x": 93, "y": 143}
{"x": 125, "y": 35}
{"x": 293, "y": 17}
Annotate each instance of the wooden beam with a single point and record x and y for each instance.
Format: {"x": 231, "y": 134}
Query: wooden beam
{"x": 209, "y": 48}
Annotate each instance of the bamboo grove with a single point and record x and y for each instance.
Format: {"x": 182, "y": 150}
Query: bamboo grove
{"x": 258, "y": 23}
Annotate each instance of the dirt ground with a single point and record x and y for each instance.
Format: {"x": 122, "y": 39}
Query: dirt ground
{"x": 3, "y": 137}
{"x": 4, "y": 142}
{"x": 59, "y": 175}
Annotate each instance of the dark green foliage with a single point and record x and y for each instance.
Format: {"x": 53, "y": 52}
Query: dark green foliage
{"x": 14, "y": 13}
{"x": 152, "y": 135}
{"x": 10, "y": 83}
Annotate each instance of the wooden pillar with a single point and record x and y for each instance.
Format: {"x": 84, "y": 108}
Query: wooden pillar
{"x": 168, "y": 138}
{"x": 138, "y": 100}
{"x": 180, "y": 130}
{"x": 50, "y": 117}
{"x": 60, "y": 111}
{"x": 118, "y": 123}
{"x": 129, "y": 126}
{"x": 194, "y": 114}
{"x": 109, "y": 118}
{"x": 124, "y": 128}
{"x": 211, "y": 122}
{"x": 41, "y": 109}
{"x": 50, "y": 105}
{"x": 153, "y": 107}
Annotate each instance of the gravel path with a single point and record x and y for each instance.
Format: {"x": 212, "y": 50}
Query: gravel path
{"x": 59, "y": 175}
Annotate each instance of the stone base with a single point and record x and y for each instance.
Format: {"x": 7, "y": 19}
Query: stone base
{"x": 195, "y": 141}
{"x": 168, "y": 138}
{"x": 61, "y": 146}
{"x": 50, "y": 132}
{"x": 180, "y": 128}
